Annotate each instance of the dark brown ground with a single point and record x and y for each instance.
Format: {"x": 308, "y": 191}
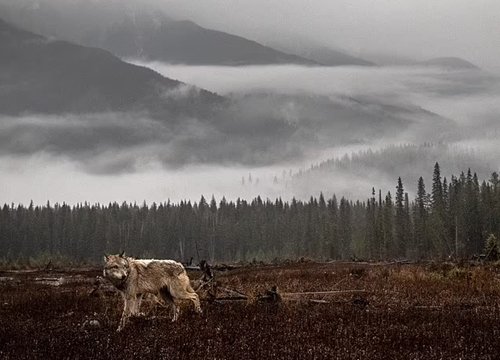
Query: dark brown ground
{"x": 413, "y": 312}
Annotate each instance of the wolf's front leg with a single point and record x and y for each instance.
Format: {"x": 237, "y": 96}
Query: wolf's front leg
{"x": 175, "y": 312}
{"x": 128, "y": 304}
{"x": 136, "y": 306}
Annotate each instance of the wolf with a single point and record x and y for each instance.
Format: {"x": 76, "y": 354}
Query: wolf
{"x": 134, "y": 278}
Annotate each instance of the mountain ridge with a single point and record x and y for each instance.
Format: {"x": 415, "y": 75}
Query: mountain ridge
{"x": 146, "y": 33}
{"x": 55, "y": 76}
{"x": 185, "y": 42}
{"x": 318, "y": 51}
{"x": 450, "y": 62}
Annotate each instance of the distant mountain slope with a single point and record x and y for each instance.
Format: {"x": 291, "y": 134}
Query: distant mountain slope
{"x": 339, "y": 173}
{"x": 326, "y": 121}
{"x": 148, "y": 33}
{"x": 188, "y": 43}
{"x": 314, "y": 50}
{"x": 452, "y": 63}
{"x": 40, "y": 75}
{"x": 408, "y": 161}
{"x": 331, "y": 57}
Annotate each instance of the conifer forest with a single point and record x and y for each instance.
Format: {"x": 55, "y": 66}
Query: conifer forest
{"x": 449, "y": 218}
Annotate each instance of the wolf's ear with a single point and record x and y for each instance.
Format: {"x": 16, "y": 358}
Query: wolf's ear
{"x": 106, "y": 257}
{"x": 122, "y": 253}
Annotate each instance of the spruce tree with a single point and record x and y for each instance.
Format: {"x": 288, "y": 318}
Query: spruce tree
{"x": 438, "y": 232}
{"x": 332, "y": 237}
{"x": 400, "y": 225}
{"x": 370, "y": 227}
{"x": 388, "y": 228}
{"x": 345, "y": 228}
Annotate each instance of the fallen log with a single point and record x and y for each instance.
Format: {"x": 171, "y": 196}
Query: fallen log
{"x": 273, "y": 296}
{"x": 228, "y": 300}
{"x": 226, "y": 267}
{"x": 316, "y": 301}
{"x": 224, "y": 294}
{"x": 331, "y": 292}
{"x": 231, "y": 293}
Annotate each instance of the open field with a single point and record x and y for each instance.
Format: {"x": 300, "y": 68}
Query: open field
{"x": 404, "y": 312}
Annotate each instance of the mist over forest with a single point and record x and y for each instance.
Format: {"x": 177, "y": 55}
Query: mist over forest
{"x": 277, "y": 118}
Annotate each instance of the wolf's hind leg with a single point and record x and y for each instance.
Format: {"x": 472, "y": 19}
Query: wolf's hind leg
{"x": 167, "y": 297}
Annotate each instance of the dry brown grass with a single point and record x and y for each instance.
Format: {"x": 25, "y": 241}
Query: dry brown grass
{"x": 414, "y": 312}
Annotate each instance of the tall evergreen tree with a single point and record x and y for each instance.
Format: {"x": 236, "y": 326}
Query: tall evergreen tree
{"x": 345, "y": 228}
{"x": 388, "y": 228}
{"x": 439, "y": 233}
{"x": 371, "y": 227}
{"x": 400, "y": 226}
{"x": 333, "y": 230}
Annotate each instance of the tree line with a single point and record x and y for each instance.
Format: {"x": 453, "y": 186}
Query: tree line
{"x": 452, "y": 217}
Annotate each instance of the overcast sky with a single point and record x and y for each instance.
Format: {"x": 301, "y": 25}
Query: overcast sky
{"x": 415, "y": 28}
{"x": 418, "y": 29}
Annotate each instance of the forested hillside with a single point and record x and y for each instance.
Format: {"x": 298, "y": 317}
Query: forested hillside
{"x": 352, "y": 175}
{"x": 449, "y": 216}
{"x": 44, "y": 76}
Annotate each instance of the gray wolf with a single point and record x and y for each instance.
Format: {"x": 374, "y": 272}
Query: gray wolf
{"x": 134, "y": 278}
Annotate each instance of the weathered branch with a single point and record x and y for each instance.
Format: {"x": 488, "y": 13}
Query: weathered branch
{"x": 332, "y": 292}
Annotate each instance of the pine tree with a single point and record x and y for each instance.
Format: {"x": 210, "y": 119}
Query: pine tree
{"x": 345, "y": 228}
{"x": 474, "y": 236}
{"x": 438, "y": 232}
{"x": 379, "y": 228}
{"x": 322, "y": 241}
{"x": 371, "y": 228}
{"x": 408, "y": 226}
{"x": 332, "y": 237}
{"x": 400, "y": 226}
{"x": 494, "y": 206}
{"x": 437, "y": 191}
{"x": 388, "y": 228}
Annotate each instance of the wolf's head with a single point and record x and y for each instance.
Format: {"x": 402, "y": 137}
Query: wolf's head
{"x": 116, "y": 268}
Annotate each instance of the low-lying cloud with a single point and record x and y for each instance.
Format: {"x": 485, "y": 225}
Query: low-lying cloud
{"x": 399, "y": 81}
{"x": 436, "y": 104}
{"x": 277, "y": 119}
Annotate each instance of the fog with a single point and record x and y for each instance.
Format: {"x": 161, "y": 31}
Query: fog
{"x": 43, "y": 177}
{"x": 282, "y": 120}
{"x": 297, "y": 79}
{"x": 400, "y": 81}
{"x": 466, "y": 102}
